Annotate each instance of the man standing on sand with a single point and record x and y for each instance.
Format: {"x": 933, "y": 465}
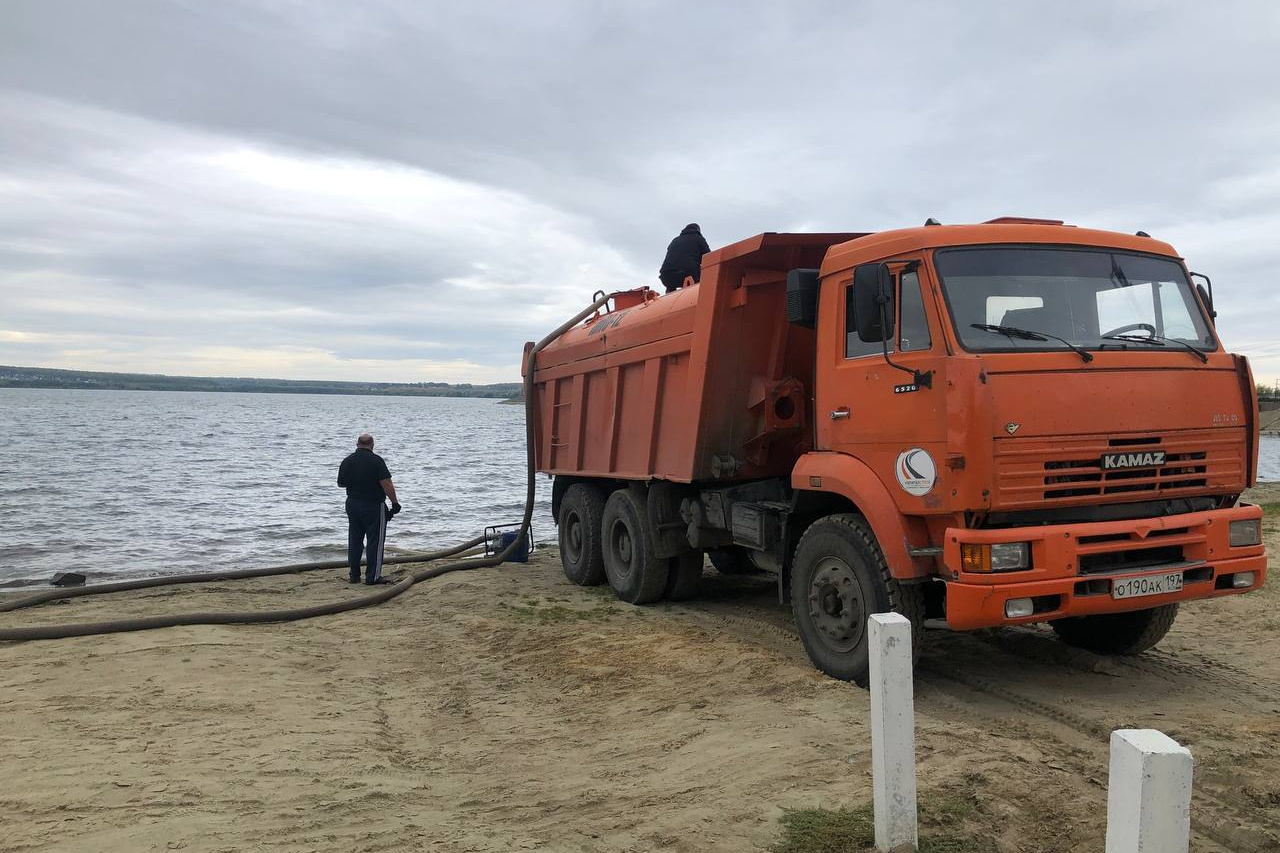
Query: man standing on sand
{"x": 365, "y": 477}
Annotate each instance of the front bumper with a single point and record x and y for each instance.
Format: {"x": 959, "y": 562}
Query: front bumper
{"x": 1074, "y": 566}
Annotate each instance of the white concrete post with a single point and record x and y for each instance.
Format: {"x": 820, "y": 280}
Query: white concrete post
{"x": 1148, "y": 793}
{"x": 893, "y": 731}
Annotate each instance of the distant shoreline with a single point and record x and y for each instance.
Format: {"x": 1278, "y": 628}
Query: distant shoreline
{"x": 87, "y": 380}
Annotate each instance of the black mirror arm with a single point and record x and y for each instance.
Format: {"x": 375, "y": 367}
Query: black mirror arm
{"x": 920, "y": 380}
{"x": 1208, "y": 293}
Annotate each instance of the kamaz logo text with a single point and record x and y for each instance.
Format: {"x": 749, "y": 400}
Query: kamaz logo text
{"x": 1146, "y": 459}
{"x": 607, "y": 322}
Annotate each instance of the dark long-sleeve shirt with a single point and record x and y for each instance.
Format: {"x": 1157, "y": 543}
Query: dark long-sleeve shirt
{"x": 362, "y": 474}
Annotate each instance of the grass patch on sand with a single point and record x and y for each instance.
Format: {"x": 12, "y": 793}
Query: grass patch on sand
{"x": 945, "y": 826}
{"x": 826, "y": 831}
{"x": 552, "y": 614}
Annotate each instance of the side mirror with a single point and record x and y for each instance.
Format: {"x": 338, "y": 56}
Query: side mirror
{"x": 1206, "y": 295}
{"x": 1207, "y": 299}
{"x": 873, "y": 302}
{"x": 802, "y": 297}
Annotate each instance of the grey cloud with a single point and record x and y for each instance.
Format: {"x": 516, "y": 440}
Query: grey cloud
{"x": 617, "y": 123}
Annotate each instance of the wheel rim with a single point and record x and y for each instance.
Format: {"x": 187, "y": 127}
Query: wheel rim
{"x": 622, "y": 547}
{"x": 573, "y": 537}
{"x": 835, "y": 605}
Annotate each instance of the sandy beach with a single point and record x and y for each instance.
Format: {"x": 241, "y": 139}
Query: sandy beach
{"x": 507, "y": 709}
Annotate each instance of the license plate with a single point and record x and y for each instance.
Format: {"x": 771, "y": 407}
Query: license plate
{"x": 1149, "y": 585}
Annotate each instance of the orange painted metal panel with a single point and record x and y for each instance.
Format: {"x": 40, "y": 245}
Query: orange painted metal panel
{"x": 977, "y": 600}
{"x": 660, "y": 387}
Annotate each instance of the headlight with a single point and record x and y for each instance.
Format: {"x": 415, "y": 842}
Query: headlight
{"x": 1010, "y": 556}
{"x": 1001, "y": 557}
{"x": 1247, "y": 532}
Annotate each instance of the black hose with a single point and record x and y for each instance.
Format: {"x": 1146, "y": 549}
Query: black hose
{"x": 210, "y": 577}
{"x": 115, "y": 626}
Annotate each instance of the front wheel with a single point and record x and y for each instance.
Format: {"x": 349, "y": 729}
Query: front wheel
{"x": 1117, "y": 633}
{"x": 839, "y": 578}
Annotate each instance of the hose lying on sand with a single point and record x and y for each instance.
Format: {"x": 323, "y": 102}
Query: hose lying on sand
{"x": 231, "y": 575}
{"x": 115, "y": 626}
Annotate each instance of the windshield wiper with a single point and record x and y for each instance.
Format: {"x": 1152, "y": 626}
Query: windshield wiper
{"x": 1028, "y": 335}
{"x": 1159, "y": 340}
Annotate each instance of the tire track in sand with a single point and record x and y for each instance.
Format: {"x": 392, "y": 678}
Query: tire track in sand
{"x": 982, "y": 698}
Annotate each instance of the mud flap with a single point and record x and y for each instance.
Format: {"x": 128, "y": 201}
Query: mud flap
{"x": 662, "y": 504}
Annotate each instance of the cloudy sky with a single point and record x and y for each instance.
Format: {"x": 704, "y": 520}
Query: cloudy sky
{"x": 406, "y": 190}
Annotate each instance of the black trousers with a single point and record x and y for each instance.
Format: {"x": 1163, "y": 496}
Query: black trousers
{"x": 366, "y": 530}
{"x": 672, "y": 280}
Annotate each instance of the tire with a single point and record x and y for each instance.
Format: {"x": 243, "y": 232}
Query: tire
{"x": 839, "y": 578}
{"x": 1117, "y": 633}
{"x": 581, "y": 515}
{"x": 732, "y": 560}
{"x": 684, "y": 576}
{"x": 636, "y": 574}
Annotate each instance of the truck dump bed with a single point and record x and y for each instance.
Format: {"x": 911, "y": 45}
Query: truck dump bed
{"x": 710, "y": 382}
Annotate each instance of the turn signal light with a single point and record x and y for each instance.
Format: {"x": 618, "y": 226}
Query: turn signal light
{"x": 975, "y": 558}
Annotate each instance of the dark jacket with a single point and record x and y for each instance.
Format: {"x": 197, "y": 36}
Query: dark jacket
{"x": 362, "y": 474}
{"x": 684, "y": 255}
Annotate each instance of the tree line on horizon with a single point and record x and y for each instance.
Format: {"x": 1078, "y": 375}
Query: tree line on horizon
{"x": 49, "y": 377}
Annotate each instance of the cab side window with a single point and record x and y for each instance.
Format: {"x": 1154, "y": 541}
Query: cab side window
{"x": 913, "y": 325}
{"x": 854, "y": 346}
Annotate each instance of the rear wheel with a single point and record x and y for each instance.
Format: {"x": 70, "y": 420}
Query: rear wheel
{"x": 1117, "y": 633}
{"x": 839, "y": 578}
{"x": 636, "y": 574}
{"x": 684, "y": 576}
{"x": 581, "y": 514}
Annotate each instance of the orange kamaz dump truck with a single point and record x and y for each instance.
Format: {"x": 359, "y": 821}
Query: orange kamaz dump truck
{"x": 1017, "y": 421}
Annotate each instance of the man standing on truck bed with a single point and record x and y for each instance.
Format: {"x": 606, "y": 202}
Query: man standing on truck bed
{"x": 365, "y": 476}
{"x": 684, "y": 257}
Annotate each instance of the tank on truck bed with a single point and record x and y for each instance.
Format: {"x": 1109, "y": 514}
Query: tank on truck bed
{"x": 706, "y": 383}
{"x": 1011, "y": 422}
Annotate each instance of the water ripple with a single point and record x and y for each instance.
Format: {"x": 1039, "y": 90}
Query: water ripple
{"x": 127, "y": 483}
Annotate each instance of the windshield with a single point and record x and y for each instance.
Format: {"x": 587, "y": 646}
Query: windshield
{"x": 1080, "y": 296}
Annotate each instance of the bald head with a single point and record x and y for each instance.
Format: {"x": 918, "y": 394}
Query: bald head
{"x": 365, "y": 440}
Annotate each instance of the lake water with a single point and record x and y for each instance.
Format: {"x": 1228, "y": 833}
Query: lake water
{"x": 1269, "y": 459}
{"x": 145, "y": 482}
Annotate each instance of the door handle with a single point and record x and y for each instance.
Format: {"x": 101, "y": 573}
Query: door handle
{"x": 840, "y": 414}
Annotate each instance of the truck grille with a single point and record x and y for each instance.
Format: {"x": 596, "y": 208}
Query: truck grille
{"x": 1131, "y": 560}
{"x": 1060, "y": 471}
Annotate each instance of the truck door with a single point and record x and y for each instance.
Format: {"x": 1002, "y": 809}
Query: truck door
{"x": 865, "y": 407}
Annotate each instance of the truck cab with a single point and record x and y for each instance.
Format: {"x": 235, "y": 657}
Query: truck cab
{"x": 1043, "y": 416}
